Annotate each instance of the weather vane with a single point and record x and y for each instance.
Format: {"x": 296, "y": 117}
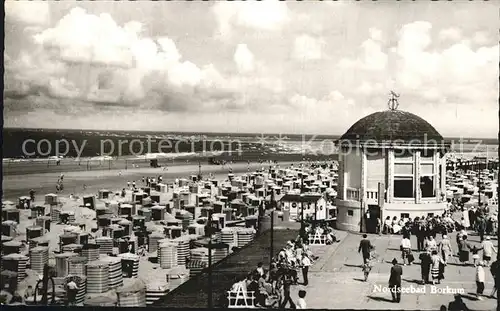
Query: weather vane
{"x": 393, "y": 101}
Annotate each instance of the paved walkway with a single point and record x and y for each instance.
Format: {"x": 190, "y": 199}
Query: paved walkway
{"x": 335, "y": 280}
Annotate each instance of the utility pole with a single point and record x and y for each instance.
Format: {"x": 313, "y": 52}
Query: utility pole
{"x": 210, "y": 259}
{"x": 199, "y": 170}
{"x": 302, "y": 227}
{"x": 479, "y": 184}
{"x": 271, "y": 249}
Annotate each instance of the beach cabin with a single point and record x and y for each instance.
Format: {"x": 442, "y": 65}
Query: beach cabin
{"x": 104, "y": 194}
{"x": 314, "y": 205}
{"x": 89, "y": 201}
{"x": 24, "y": 202}
{"x": 51, "y": 199}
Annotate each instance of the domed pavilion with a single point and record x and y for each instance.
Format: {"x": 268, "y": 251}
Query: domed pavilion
{"x": 391, "y": 163}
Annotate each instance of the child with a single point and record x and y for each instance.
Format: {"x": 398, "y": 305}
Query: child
{"x": 367, "y": 267}
{"x": 301, "y": 303}
{"x": 480, "y": 278}
{"x": 475, "y": 254}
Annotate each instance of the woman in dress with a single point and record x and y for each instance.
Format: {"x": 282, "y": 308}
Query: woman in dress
{"x": 430, "y": 244}
{"x": 445, "y": 248}
{"x": 436, "y": 261}
{"x": 464, "y": 247}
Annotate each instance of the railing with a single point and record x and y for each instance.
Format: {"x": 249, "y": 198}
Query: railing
{"x": 241, "y": 298}
{"x": 317, "y": 239}
{"x": 372, "y": 196}
{"x": 352, "y": 194}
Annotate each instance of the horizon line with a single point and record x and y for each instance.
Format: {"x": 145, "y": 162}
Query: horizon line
{"x": 210, "y": 132}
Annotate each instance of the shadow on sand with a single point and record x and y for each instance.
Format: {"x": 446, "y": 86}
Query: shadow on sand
{"x": 470, "y": 296}
{"x": 458, "y": 264}
{"x": 359, "y": 280}
{"x": 380, "y": 299}
{"x": 353, "y": 266}
{"x": 414, "y": 281}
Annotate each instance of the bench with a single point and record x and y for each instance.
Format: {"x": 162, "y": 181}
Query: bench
{"x": 241, "y": 299}
{"x": 317, "y": 239}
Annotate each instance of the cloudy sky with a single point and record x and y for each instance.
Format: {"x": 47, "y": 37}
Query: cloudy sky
{"x": 294, "y": 67}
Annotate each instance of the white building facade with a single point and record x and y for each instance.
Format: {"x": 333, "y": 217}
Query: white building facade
{"x": 392, "y": 171}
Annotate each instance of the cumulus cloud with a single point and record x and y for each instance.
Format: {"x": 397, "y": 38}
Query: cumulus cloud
{"x": 373, "y": 56}
{"x": 27, "y": 12}
{"x": 453, "y": 34}
{"x": 375, "y": 34}
{"x": 92, "y": 58}
{"x": 308, "y": 48}
{"x": 244, "y": 58}
{"x": 434, "y": 82}
{"x": 481, "y": 38}
{"x": 263, "y": 16}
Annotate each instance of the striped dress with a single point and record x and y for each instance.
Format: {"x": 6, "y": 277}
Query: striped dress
{"x": 435, "y": 261}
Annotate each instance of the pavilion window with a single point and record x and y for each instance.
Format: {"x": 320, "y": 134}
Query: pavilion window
{"x": 427, "y": 177}
{"x": 403, "y": 180}
{"x": 403, "y": 186}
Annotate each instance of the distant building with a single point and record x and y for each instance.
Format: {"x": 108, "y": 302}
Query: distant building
{"x": 391, "y": 163}
{"x": 313, "y": 203}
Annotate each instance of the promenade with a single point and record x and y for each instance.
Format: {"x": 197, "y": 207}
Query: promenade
{"x": 336, "y": 279}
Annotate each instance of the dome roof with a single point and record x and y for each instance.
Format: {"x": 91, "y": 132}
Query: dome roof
{"x": 393, "y": 126}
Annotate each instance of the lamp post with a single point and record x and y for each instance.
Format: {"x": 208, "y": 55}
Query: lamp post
{"x": 271, "y": 249}
{"x": 302, "y": 226}
{"x": 210, "y": 259}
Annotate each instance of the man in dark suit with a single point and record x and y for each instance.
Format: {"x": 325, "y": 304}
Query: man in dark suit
{"x": 395, "y": 281}
{"x": 365, "y": 247}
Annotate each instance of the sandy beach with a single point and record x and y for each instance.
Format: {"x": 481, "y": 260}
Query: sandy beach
{"x": 74, "y": 181}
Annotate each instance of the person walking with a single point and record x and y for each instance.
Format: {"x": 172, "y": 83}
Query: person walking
{"x": 459, "y": 237}
{"x": 481, "y": 227}
{"x": 464, "y": 247}
{"x": 306, "y": 263}
{"x": 445, "y": 248}
{"x": 425, "y": 266}
{"x": 287, "y": 283}
{"x": 488, "y": 250}
{"x": 420, "y": 233}
{"x": 406, "y": 250}
{"x": 367, "y": 267}
{"x": 395, "y": 281}
{"x": 436, "y": 260}
{"x": 480, "y": 279}
{"x": 365, "y": 247}
{"x": 494, "y": 273}
{"x": 475, "y": 254}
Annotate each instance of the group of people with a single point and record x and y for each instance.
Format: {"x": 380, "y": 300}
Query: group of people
{"x": 434, "y": 257}
{"x": 275, "y": 283}
{"x": 480, "y": 220}
{"x": 420, "y": 226}
{"x": 322, "y": 230}
{"x": 146, "y": 181}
